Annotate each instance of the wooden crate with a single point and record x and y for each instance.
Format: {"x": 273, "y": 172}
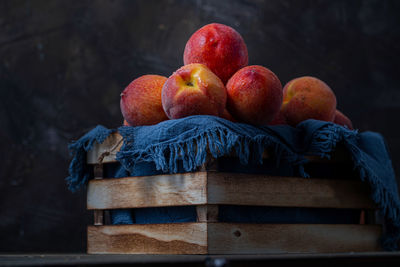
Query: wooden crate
{"x": 207, "y": 189}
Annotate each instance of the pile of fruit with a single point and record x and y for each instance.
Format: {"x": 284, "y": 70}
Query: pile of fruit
{"x": 216, "y": 80}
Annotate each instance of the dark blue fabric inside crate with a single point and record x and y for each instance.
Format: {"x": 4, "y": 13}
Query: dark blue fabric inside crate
{"x": 253, "y": 214}
{"x": 239, "y": 214}
{"x": 176, "y": 145}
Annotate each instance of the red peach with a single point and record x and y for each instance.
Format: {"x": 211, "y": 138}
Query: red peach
{"x": 254, "y": 95}
{"x": 193, "y": 90}
{"x": 219, "y": 47}
{"x": 141, "y": 101}
{"x": 308, "y": 98}
{"x": 343, "y": 120}
{"x": 125, "y": 123}
{"x": 227, "y": 116}
{"x": 279, "y": 119}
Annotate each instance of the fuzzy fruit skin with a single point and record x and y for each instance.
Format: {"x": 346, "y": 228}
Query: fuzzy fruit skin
{"x": 308, "y": 98}
{"x": 254, "y": 95}
{"x": 279, "y": 119}
{"x": 227, "y": 116}
{"x": 141, "y": 101}
{"x": 193, "y": 90}
{"x": 343, "y": 120}
{"x": 125, "y": 123}
{"x": 219, "y": 47}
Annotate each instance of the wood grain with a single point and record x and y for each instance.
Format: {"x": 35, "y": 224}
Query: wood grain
{"x": 148, "y": 191}
{"x": 105, "y": 152}
{"x": 232, "y": 238}
{"x": 174, "y": 238}
{"x": 262, "y": 190}
{"x": 98, "y": 215}
{"x": 207, "y": 213}
{"x": 229, "y": 189}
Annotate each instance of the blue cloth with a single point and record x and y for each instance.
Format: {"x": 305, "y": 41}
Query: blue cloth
{"x": 79, "y": 172}
{"x": 181, "y": 145}
{"x": 185, "y": 140}
{"x": 259, "y": 214}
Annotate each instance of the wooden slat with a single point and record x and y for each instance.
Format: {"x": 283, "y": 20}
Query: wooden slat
{"x": 98, "y": 214}
{"x": 229, "y": 189}
{"x": 174, "y": 238}
{"x": 148, "y": 191}
{"x": 105, "y": 152}
{"x": 231, "y": 238}
{"x": 207, "y": 213}
{"x": 262, "y": 190}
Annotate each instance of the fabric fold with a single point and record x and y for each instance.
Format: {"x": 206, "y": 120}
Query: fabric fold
{"x": 79, "y": 172}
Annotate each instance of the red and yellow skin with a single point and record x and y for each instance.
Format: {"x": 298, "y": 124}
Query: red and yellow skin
{"x": 343, "y": 120}
{"x": 219, "y": 47}
{"x": 193, "y": 90}
{"x": 141, "y": 101}
{"x": 308, "y": 98}
{"x": 254, "y": 95}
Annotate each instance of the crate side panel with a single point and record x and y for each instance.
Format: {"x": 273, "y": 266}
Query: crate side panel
{"x": 230, "y": 238}
{"x": 262, "y": 190}
{"x": 174, "y": 238}
{"x": 148, "y": 191}
{"x": 105, "y": 152}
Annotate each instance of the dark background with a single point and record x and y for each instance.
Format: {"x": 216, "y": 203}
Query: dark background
{"x": 63, "y": 65}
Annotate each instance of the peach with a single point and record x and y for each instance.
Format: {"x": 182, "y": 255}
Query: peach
{"x": 125, "y": 123}
{"x": 308, "y": 98}
{"x": 141, "y": 101}
{"x": 254, "y": 95}
{"x": 279, "y": 119}
{"x": 227, "y": 116}
{"x": 219, "y": 47}
{"x": 193, "y": 90}
{"x": 343, "y": 120}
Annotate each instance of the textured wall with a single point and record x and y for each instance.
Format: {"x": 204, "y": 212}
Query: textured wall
{"x": 63, "y": 65}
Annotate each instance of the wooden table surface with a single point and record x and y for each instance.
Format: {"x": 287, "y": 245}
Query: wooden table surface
{"x": 384, "y": 259}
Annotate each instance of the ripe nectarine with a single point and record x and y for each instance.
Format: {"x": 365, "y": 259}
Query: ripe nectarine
{"x": 308, "y": 98}
{"x": 141, "y": 101}
{"x": 254, "y": 95}
{"x": 219, "y": 47}
{"x": 343, "y": 120}
{"x": 193, "y": 90}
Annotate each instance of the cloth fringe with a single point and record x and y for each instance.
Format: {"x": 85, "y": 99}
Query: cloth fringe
{"x": 78, "y": 169}
{"x": 325, "y": 142}
{"x": 192, "y": 152}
